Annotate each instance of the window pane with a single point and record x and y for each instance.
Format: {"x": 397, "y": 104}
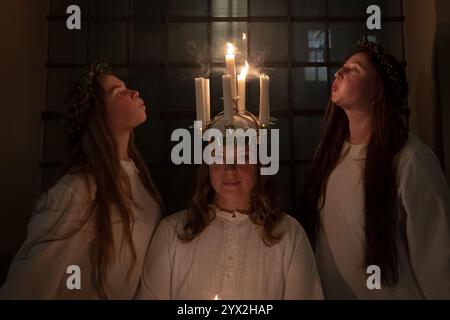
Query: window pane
{"x": 108, "y": 41}
{"x": 306, "y": 136}
{"x": 187, "y": 42}
{"x": 268, "y": 8}
{"x": 153, "y": 8}
{"x": 389, "y": 8}
{"x": 59, "y": 7}
{"x": 149, "y": 83}
{"x": 181, "y": 82}
{"x": 305, "y": 8}
{"x": 283, "y": 126}
{"x": 189, "y": 7}
{"x": 110, "y": 7}
{"x": 347, "y": 8}
{"x": 216, "y": 90}
{"x": 344, "y": 38}
{"x": 331, "y": 74}
{"x": 269, "y": 41}
{"x": 390, "y": 37}
{"x": 229, "y": 8}
{"x": 278, "y": 93}
{"x": 310, "y": 89}
{"x": 357, "y": 8}
{"x": 59, "y": 83}
{"x": 66, "y": 45}
{"x": 310, "y": 42}
{"x": 223, "y": 32}
{"x": 147, "y": 43}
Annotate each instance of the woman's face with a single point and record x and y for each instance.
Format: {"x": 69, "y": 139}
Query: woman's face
{"x": 125, "y": 109}
{"x": 234, "y": 182}
{"x": 354, "y": 83}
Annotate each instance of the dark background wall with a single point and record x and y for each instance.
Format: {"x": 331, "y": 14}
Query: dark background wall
{"x": 23, "y": 53}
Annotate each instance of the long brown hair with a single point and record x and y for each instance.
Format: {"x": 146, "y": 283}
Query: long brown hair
{"x": 95, "y": 155}
{"x": 265, "y": 209}
{"x": 389, "y": 135}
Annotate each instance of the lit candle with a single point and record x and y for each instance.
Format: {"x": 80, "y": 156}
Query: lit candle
{"x": 231, "y": 68}
{"x": 241, "y": 87}
{"x": 264, "y": 115}
{"x": 207, "y": 103}
{"x": 227, "y": 100}
{"x": 199, "y": 98}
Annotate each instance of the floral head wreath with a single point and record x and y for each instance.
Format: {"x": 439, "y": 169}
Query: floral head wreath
{"x": 393, "y": 71}
{"x": 82, "y": 99}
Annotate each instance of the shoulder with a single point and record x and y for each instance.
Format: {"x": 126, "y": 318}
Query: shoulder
{"x": 414, "y": 150}
{"x": 417, "y": 164}
{"x": 70, "y": 196}
{"x": 291, "y": 229}
{"x": 173, "y": 222}
{"x": 73, "y": 188}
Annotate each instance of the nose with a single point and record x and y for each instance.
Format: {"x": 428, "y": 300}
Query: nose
{"x": 135, "y": 94}
{"x": 230, "y": 166}
{"x": 338, "y": 74}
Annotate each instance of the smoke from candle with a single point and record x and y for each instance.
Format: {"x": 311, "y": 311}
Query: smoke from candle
{"x": 201, "y": 58}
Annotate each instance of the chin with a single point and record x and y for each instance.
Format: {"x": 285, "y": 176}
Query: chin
{"x": 142, "y": 118}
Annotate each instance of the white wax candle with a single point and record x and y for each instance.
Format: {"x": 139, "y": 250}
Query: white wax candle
{"x": 207, "y": 104}
{"x": 199, "y": 98}
{"x": 227, "y": 100}
{"x": 264, "y": 114}
{"x": 231, "y": 68}
{"x": 241, "y": 88}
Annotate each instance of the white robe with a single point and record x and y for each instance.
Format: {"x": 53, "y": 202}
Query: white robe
{"x": 42, "y": 273}
{"x": 230, "y": 260}
{"x": 424, "y": 204}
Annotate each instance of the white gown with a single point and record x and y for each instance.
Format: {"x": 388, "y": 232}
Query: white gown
{"x": 229, "y": 260}
{"x": 424, "y": 204}
{"x": 42, "y": 273}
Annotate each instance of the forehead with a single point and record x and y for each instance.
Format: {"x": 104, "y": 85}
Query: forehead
{"x": 362, "y": 60}
{"x": 109, "y": 81}
{"x": 359, "y": 58}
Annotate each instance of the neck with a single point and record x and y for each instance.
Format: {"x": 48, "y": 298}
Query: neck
{"x": 122, "y": 145}
{"x": 360, "y": 126}
{"x": 242, "y": 205}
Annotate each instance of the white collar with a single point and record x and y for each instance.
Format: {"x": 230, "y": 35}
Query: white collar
{"x": 230, "y": 216}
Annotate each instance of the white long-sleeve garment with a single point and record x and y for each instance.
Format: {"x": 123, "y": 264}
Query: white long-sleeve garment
{"x": 424, "y": 205}
{"x": 229, "y": 260}
{"x": 42, "y": 273}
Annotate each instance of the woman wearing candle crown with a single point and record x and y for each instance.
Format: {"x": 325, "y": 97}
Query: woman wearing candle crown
{"x": 99, "y": 215}
{"x": 232, "y": 242}
{"x": 376, "y": 195}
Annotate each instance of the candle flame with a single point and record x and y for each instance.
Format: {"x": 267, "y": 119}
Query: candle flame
{"x": 216, "y": 297}
{"x": 244, "y": 70}
{"x": 230, "y": 48}
{"x": 244, "y": 36}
